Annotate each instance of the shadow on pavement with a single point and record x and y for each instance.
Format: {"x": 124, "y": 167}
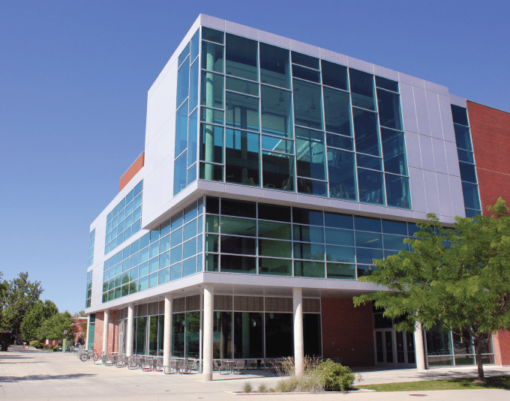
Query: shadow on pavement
{"x": 44, "y": 377}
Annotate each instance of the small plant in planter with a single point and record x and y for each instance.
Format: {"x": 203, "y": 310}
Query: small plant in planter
{"x": 247, "y": 388}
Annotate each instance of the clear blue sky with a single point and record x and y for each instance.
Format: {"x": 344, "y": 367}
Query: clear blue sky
{"x": 74, "y": 77}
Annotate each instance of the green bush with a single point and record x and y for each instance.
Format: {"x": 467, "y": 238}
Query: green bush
{"x": 334, "y": 376}
{"x": 35, "y": 344}
{"x": 262, "y": 388}
{"x": 247, "y": 388}
{"x": 55, "y": 348}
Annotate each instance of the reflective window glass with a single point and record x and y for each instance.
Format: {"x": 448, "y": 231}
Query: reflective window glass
{"x": 180, "y": 174}
{"x": 339, "y": 141}
{"x": 274, "y": 212}
{"x": 463, "y": 137}
{"x": 276, "y": 111}
{"x": 278, "y": 171}
{"x": 314, "y": 187}
{"x": 389, "y": 109}
{"x": 235, "y": 226}
{"x": 238, "y": 245}
{"x": 334, "y": 75}
{"x": 342, "y": 174}
{"x": 242, "y": 111}
{"x": 367, "y": 224}
{"x": 307, "y": 104}
{"x": 276, "y": 249}
{"x": 310, "y": 152}
{"x": 398, "y": 192}
{"x": 341, "y": 271}
{"x": 241, "y": 57}
{"x": 195, "y": 43}
{"x": 368, "y": 240}
{"x": 339, "y": 237}
{"x": 342, "y": 254}
{"x": 278, "y": 267}
{"x": 211, "y": 147}
{"x": 212, "y": 90}
{"x": 308, "y": 251}
{"x": 238, "y": 264}
{"x": 211, "y": 116}
{"x": 212, "y": 172}
{"x": 467, "y": 172}
{"x": 303, "y": 59}
{"x": 176, "y": 272}
{"x": 240, "y": 85}
{"x": 308, "y": 234}
{"x": 193, "y": 88}
{"x": 277, "y": 144}
{"x": 189, "y": 248}
{"x": 189, "y": 267}
{"x": 192, "y": 174}
{"x": 362, "y": 89}
{"x": 237, "y": 208}
{"x": 365, "y": 130}
{"x": 337, "y": 108}
{"x": 274, "y": 66}
{"x": 190, "y": 230}
{"x": 212, "y": 57}
{"x": 305, "y": 216}
{"x": 471, "y": 198}
{"x": 242, "y": 161}
{"x": 183, "y": 82}
{"x": 269, "y": 229}
{"x": 394, "y": 149}
{"x": 176, "y": 254}
{"x": 369, "y": 162}
{"x": 466, "y": 156}
{"x": 181, "y": 129}
{"x": 192, "y": 139}
{"x": 338, "y": 220}
{"x": 306, "y": 73}
{"x": 213, "y": 35}
{"x": 211, "y": 243}
{"x": 184, "y": 54}
{"x": 309, "y": 269}
{"x": 459, "y": 115}
{"x": 386, "y": 83}
{"x": 364, "y": 255}
{"x": 394, "y": 227}
{"x": 394, "y": 242}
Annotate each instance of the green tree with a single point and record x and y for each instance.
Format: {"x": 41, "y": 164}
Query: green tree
{"x": 34, "y": 317}
{"x": 458, "y": 278}
{"x": 4, "y": 337}
{"x": 20, "y": 295}
{"x": 55, "y": 326}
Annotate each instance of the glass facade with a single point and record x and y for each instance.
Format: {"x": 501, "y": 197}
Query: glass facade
{"x": 466, "y": 161}
{"x": 170, "y": 252}
{"x": 186, "y": 121}
{"x": 91, "y": 331}
{"x": 88, "y": 296}
{"x": 282, "y": 120}
{"x": 125, "y": 219}
{"x": 266, "y": 239}
{"x": 91, "y": 246}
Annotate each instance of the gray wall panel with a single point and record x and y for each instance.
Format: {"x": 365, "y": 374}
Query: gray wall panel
{"x": 427, "y": 154}
{"x": 452, "y": 158}
{"x": 417, "y": 190}
{"x": 413, "y": 150}
{"x": 439, "y": 156}
{"x": 431, "y": 193}
{"x": 436, "y": 128}
{"x": 445, "y": 198}
{"x": 457, "y": 196}
{"x": 408, "y": 109}
{"x": 420, "y": 100}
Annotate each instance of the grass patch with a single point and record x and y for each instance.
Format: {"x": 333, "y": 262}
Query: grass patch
{"x": 498, "y": 382}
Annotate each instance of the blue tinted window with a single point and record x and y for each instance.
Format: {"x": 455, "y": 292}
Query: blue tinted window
{"x": 181, "y": 130}
{"x": 394, "y": 242}
{"x": 177, "y": 237}
{"x": 342, "y": 174}
{"x": 193, "y": 88}
{"x": 398, "y": 192}
{"x": 364, "y": 255}
{"x": 365, "y": 131}
{"x": 389, "y": 109}
{"x": 337, "y": 108}
{"x": 144, "y": 241}
{"x": 192, "y": 140}
{"x": 177, "y": 220}
{"x": 368, "y": 240}
{"x": 164, "y": 276}
{"x": 308, "y": 234}
{"x": 367, "y": 224}
{"x": 195, "y": 43}
{"x": 311, "y": 158}
{"x": 459, "y": 115}
{"x": 183, "y": 82}
{"x": 212, "y": 57}
{"x": 176, "y": 272}
{"x": 338, "y": 220}
{"x": 340, "y": 254}
{"x": 242, "y": 111}
{"x": 467, "y": 172}
{"x": 241, "y": 57}
{"x": 365, "y": 161}
{"x": 307, "y": 104}
{"x": 362, "y": 89}
{"x": 180, "y": 174}
{"x": 394, "y": 227}
{"x": 304, "y": 216}
{"x": 334, "y": 75}
{"x": 339, "y": 237}
{"x": 386, "y": 84}
{"x": 339, "y": 141}
{"x": 190, "y": 248}
{"x": 176, "y": 254}
{"x": 276, "y": 112}
{"x": 303, "y": 59}
{"x": 471, "y": 198}
{"x": 184, "y": 54}
{"x": 394, "y": 149}
{"x": 308, "y": 251}
{"x": 189, "y": 267}
{"x": 190, "y": 230}
{"x": 463, "y": 137}
{"x": 274, "y": 66}
{"x": 306, "y": 73}
{"x": 165, "y": 228}
{"x": 371, "y": 186}
{"x": 213, "y": 35}
{"x": 164, "y": 244}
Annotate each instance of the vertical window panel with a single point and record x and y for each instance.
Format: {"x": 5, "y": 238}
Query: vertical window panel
{"x": 362, "y": 89}
{"x": 242, "y": 159}
{"x": 337, "y": 108}
{"x": 389, "y": 109}
{"x": 183, "y": 82}
{"x": 278, "y": 171}
{"x": 371, "y": 187}
{"x": 212, "y": 57}
{"x": 181, "y": 129}
{"x": 241, "y": 57}
{"x": 310, "y": 153}
{"x": 274, "y": 66}
{"x": 307, "y": 104}
{"x": 276, "y": 112}
{"x": 366, "y": 132}
{"x": 394, "y": 148}
{"x": 212, "y": 90}
{"x": 242, "y": 111}
{"x": 342, "y": 174}
{"x": 334, "y": 75}
{"x": 180, "y": 174}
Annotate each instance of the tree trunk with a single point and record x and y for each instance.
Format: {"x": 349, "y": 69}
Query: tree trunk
{"x": 478, "y": 355}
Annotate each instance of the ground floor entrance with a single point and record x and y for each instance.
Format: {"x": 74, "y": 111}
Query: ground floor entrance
{"x": 394, "y": 348}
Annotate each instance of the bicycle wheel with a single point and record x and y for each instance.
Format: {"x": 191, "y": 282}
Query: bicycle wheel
{"x": 96, "y": 357}
{"x": 84, "y": 357}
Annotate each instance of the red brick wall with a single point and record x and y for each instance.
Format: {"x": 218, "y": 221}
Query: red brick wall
{"x": 490, "y": 133}
{"x": 502, "y": 347}
{"x": 112, "y": 332}
{"x": 347, "y": 332}
{"x": 131, "y": 172}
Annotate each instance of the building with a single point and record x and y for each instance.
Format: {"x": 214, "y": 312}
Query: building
{"x": 274, "y": 172}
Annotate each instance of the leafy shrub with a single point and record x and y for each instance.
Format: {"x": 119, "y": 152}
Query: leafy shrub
{"x": 310, "y": 382}
{"x": 35, "y": 344}
{"x": 247, "y": 388}
{"x": 262, "y": 388}
{"x": 334, "y": 376}
{"x": 55, "y": 348}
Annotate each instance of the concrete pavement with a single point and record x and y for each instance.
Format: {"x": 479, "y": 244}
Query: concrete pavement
{"x": 56, "y": 376}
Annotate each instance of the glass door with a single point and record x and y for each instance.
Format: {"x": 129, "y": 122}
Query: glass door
{"x": 394, "y": 348}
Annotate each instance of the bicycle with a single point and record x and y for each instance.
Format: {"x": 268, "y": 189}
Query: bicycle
{"x": 87, "y": 355}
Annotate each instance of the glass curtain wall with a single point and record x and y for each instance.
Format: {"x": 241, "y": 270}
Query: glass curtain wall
{"x": 283, "y": 120}
{"x": 466, "y": 161}
{"x": 266, "y": 239}
{"x": 186, "y": 120}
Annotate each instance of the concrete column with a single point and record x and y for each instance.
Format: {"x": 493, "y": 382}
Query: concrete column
{"x": 105, "y": 331}
{"x": 208, "y": 331}
{"x": 419, "y": 349}
{"x": 129, "y": 329}
{"x": 88, "y": 331}
{"x": 299, "y": 347}
{"x": 167, "y": 333}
